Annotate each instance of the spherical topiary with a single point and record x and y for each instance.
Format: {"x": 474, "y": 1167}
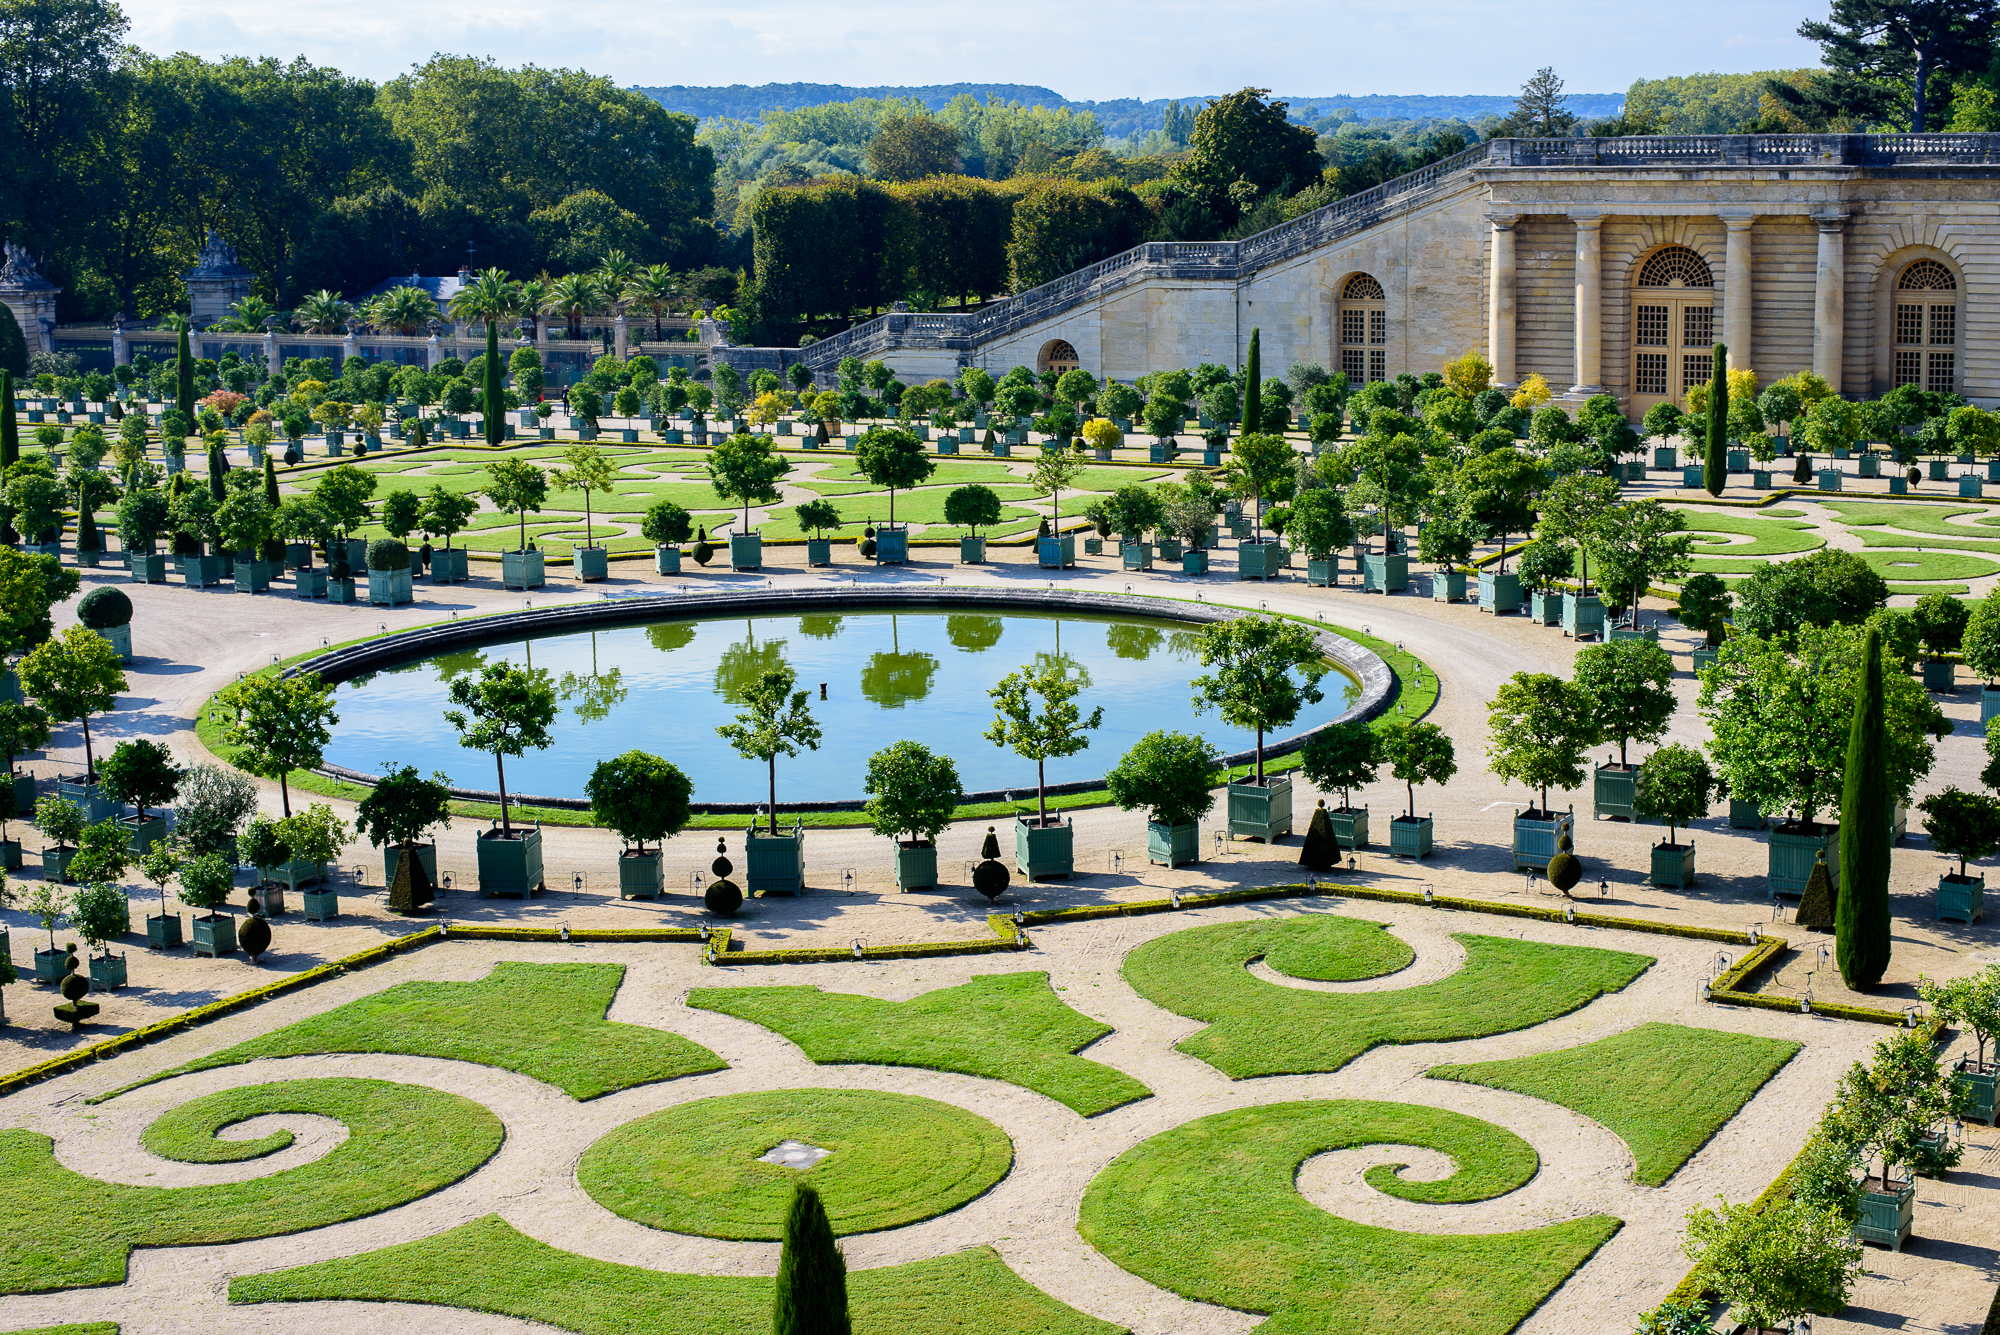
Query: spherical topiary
{"x": 105, "y": 607}
{"x": 255, "y": 938}
{"x": 990, "y": 877}
{"x": 293, "y": 455}
{"x": 867, "y": 545}
{"x": 1565, "y": 870}
{"x": 388, "y": 554}
{"x": 722, "y": 896}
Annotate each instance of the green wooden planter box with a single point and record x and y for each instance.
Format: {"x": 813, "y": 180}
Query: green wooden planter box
{"x": 1194, "y": 563}
{"x": 819, "y": 551}
{"x": 450, "y": 565}
{"x": 1702, "y": 658}
{"x": 1261, "y": 811}
{"x": 1691, "y": 477}
{"x": 1044, "y": 851}
{"x": 916, "y": 866}
{"x": 510, "y": 866}
{"x": 1545, "y": 609}
{"x": 775, "y": 864}
{"x": 1829, "y": 479}
{"x": 1448, "y": 586}
{"x": 1663, "y": 456}
{"x": 1940, "y": 676}
{"x": 55, "y": 862}
{"x": 972, "y": 551}
{"x": 947, "y": 444}
{"x": 1168, "y": 549}
{"x": 201, "y": 572}
{"x": 522, "y": 570}
{"x": 391, "y": 588}
{"x": 308, "y": 585}
{"x": 1172, "y": 845}
{"x": 1057, "y": 552}
{"x": 49, "y": 964}
{"x": 214, "y": 934}
{"x": 1937, "y": 470}
{"x": 666, "y": 560}
{"x": 1350, "y": 826}
{"x": 1261, "y": 560}
{"x": 392, "y": 861}
{"x": 143, "y": 834}
{"x": 746, "y": 551}
{"x": 107, "y": 971}
{"x": 321, "y": 905}
{"x": 590, "y": 563}
{"x": 163, "y": 931}
{"x": 1737, "y": 460}
{"x": 90, "y": 796}
{"x": 1870, "y": 465}
{"x": 1961, "y": 900}
{"x": 1137, "y": 555}
{"x": 1410, "y": 838}
{"x": 1792, "y": 857}
{"x": 892, "y": 546}
{"x": 1499, "y": 592}
{"x": 1650, "y": 634}
{"x": 1389, "y": 573}
{"x": 1322, "y": 574}
{"x": 149, "y": 568}
{"x": 1745, "y": 816}
{"x": 1582, "y": 614}
{"x": 1093, "y": 546}
{"x": 1989, "y": 705}
{"x": 10, "y": 854}
{"x": 1535, "y": 839}
{"x": 1899, "y": 485}
{"x": 1673, "y": 865}
{"x": 1612, "y": 790}
{"x": 1971, "y": 485}
{"x": 1760, "y": 479}
{"x": 642, "y": 875}
{"x": 1978, "y": 1085}
{"x": 339, "y": 590}
{"x": 1886, "y": 1216}
{"x": 253, "y": 576}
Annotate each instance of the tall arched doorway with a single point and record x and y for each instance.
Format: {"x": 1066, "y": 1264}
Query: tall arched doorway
{"x": 1364, "y": 330}
{"x": 1673, "y": 327}
{"x": 1926, "y": 347}
{"x": 1059, "y": 356}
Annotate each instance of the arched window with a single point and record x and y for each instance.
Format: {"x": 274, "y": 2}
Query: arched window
{"x": 1364, "y": 330}
{"x": 1926, "y": 348}
{"x": 1673, "y": 326}
{"x": 1059, "y": 356}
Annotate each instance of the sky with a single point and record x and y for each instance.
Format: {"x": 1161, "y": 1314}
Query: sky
{"x": 1112, "y": 49}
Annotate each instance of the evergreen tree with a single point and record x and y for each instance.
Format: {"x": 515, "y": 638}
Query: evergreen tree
{"x": 1885, "y": 59}
{"x": 494, "y": 401}
{"x": 271, "y": 497}
{"x": 1816, "y": 905}
{"x": 811, "y": 1296}
{"x": 184, "y": 382}
{"x": 1715, "y": 465}
{"x": 10, "y": 429}
{"x": 218, "y": 467}
{"x": 1861, "y": 920}
{"x": 1253, "y": 395}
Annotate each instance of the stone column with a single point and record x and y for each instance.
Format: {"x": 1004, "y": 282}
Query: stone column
{"x": 1830, "y": 298}
{"x": 433, "y": 350}
{"x": 1737, "y": 297}
{"x": 350, "y": 345}
{"x": 1500, "y": 300}
{"x": 1589, "y": 304}
{"x": 121, "y": 349}
{"x": 619, "y": 331}
{"x": 273, "y": 359}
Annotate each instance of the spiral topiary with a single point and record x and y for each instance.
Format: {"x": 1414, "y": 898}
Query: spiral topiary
{"x": 75, "y": 987}
{"x": 105, "y": 608}
{"x": 722, "y": 896}
{"x": 990, "y": 878}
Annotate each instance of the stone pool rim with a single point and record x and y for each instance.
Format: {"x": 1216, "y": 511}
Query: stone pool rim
{"x": 1377, "y": 679}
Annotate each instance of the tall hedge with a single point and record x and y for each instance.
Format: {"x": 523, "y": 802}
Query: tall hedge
{"x": 1861, "y": 917}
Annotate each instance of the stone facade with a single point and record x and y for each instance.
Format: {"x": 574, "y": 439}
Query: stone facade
{"x": 31, "y": 297}
{"x": 1532, "y": 251}
{"x": 216, "y": 283}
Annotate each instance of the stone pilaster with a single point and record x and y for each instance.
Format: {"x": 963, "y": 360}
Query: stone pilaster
{"x": 1737, "y": 297}
{"x": 1830, "y": 298}
{"x": 1589, "y": 303}
{"x": 619, "y": 333}
{"x": 1500, "y": 300}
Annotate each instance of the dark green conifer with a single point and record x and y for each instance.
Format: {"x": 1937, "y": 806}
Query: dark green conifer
{"x": 1816, "y": 905}
{"x": 1322, "y": 849}
{"x": 494, "y": 398}
{"x": 1861, "y": 919}
{"x": 811, "y": 1297}
{"x": 1253, "y": 393}
{"x": 1715, "y": 464}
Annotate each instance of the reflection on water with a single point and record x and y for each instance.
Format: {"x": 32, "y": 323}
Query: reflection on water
{"x": 664, "y": 688}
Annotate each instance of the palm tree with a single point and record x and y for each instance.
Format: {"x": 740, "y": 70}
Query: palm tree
{"x": 533, "y": 292}
{"x": 245, "y": 317}
{"x": 490, "y": 296}
{"x": 402, "y": 309}
{"x": 656, "y": 289}
{"x": 323, "y": 312}
{"x": 614, "y": 274}
{"x": 573, "y": 296}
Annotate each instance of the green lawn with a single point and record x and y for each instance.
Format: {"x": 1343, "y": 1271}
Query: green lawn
{"x": 488, "y": 1266}
{"x": 59, "y": 1229}
{"x": 1663, "y": 1089}
{"x": 1306, "y": 948}
{"x": 1259, "y": 1028}
{"x": 85, "y": 1328}
{"x": 1928, "y": 565}
{"x": 696, "y": 1168}
{"x": 1211, "y": 1211}
{"x": 1769, "y": 536}
{"x": 1903, "y": 515}
{"x": 1008, "y": 1026}
{"x": 542, "y": 1020}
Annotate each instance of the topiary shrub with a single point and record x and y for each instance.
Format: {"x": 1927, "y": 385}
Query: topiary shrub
{"x": 990, "y": 877}
{"x": 388, "y": 554}
{"x": 105, "y": 608}
{"x": 293, "y": 455}
{"x": 722, "y": 896}
{"x": 704, "y": 552}
{"x": 1565, "y": 868}
{"x": 1322, "y": 849}
{"x": 1817, "y": 902}
{"x": 255, "y": 936}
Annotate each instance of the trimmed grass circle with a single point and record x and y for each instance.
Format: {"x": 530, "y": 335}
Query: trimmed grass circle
{"x": 1333, "y": 950}
{"x": 896, "y": 1159}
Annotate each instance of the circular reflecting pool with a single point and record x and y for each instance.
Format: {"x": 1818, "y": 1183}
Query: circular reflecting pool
{"x": 664, "y": 687}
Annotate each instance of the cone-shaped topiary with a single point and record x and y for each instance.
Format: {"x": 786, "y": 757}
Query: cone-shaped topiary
{"x": 1816, "y": 905}
{"x": 811, "y": 1294}
{"x": 1802, "y": 470}
{"x": 991, "y": 877}
{"x": 1322, "y": 850}
{"x": 722, "y": 896}
{"x": 255, "y": 938}
{"x": 1861, "y": 919}
{"x": 412, "y": 889}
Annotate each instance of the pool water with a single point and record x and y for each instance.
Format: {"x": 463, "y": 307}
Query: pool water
{"x": 664, "y": 687}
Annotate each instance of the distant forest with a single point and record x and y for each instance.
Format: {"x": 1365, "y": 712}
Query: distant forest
{"x": 1120, "y": 117}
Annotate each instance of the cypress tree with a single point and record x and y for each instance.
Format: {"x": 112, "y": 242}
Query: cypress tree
{"x": 1715, "y": 464}
{"x": 811, "y": 1296}
{"x": 495, "y": 396}
{"x": 217, "y": 466}
{"x": 10, "y": 430}
{"x": 1861, "y": 917}
{"x": 1253, "y": 395}
{"x": 184, "y": 379}
{"x": 270, "y": 481}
